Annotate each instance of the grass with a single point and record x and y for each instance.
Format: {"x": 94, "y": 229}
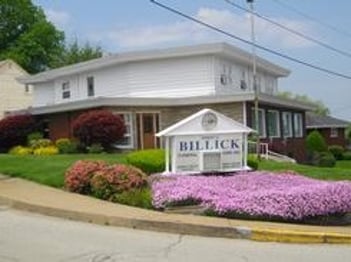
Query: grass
{"x": 47, "y": 170}
{"x": 342, "y": 170}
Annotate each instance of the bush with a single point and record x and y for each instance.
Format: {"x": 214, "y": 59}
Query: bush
{"x": 116, "y": 179}
{"x": 150, "y": 161}
{"x": 98, "y": 127}
{"x": 337, "y": 151}
{"x": 326, "y": 159}
{"x": 78, "y": 176}
{"x": 347, "y": 155}
{"x": 140, "y": 197}
{"x": 38, "y": 143}
{"x": 95, "y": 149}
{"x": 315, "y": 142}
{"x": 34, "y": 136}
{"x": 46, "y": 151}
{"x": 66, "y": 146}
{"x": 252, "y": 162}
{"x": 20, "y": 151}
{"x": 14, "y": 131}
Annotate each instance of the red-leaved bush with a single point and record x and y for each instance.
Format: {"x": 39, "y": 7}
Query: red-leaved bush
{"x": 116, "y": 179}
{"x": 101, "y": 180}
{"x": 14, "y": 130}
{"x": 98, "y": 127}
{"x": 77, "y": 177}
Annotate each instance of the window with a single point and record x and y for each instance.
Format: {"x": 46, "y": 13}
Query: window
{"x": 66, "y": 92}
{"x": 90, "y": 86}
{"x": 298, "y": 125}
{"x": 127, "y": 140}
{"x": 334, "y": 132}
{"x": 273, "y": 123}
{"x": 27, "y": 89}
{"x": 287, "y": 124}
{"x": 261, "y": 122}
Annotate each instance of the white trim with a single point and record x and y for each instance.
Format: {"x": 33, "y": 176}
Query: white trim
{"x": 220, "y": 49}
{"x": 290, "y": 124}
{"x": 300, "y": 134}
{"x": 332, "y": 132}
{"x": 244, "y": 114}
{"x": 131, "y": 124}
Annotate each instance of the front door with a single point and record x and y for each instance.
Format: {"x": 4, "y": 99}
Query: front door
{"x": 148, "y": 125}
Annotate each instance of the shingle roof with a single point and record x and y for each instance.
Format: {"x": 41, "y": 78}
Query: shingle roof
{"x": 317, "y": 121}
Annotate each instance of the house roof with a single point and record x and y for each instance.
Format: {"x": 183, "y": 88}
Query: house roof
{"x": 165, "y": 102}
{"x": 316, "y": 121}
{"x": 224, "y": 50}
{"x": 13, "y": 63}
{"x": 192, "y": 125}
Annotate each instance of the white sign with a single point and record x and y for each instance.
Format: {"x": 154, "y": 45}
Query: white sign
{"x": 206, "y": 141}
{"x": 208, "y": 153}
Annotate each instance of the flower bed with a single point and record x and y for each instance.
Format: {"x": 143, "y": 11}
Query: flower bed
{"x": 259, "y": 194}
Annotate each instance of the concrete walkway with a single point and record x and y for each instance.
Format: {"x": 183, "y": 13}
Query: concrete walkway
{"x": 25, "y": 195}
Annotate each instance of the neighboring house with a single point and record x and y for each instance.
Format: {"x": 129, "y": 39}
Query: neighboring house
{"x": 331, "y": 128}
{"x": 13, "y": 95}
{"x": 153, "y": 89}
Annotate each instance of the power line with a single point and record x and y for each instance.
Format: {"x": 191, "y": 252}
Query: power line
{"x": 325, "y": 45}
{"x": 329, "y": 26}
{"x": 322, "y": 69}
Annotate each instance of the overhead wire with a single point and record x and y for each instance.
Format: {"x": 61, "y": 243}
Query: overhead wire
{"x": 282, "y": 55}
{"x": 316, "y": 20}
{"x": 293, "y": 31}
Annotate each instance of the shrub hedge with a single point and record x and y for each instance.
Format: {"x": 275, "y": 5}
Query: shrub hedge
{"x": 150, "y": 161}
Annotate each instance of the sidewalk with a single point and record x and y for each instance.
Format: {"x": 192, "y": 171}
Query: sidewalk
{"x": 25, "y": 195}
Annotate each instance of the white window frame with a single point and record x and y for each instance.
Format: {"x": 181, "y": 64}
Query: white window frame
{"x": 290, "y": 121}
{"x": 334, "y": 132}
{"x": 261, "y": 123}
{"x": 277, "y": 117}
{"x": 65, "y": 89}
{"x": 130, "y": 135}
{"x": 298, "y": 123}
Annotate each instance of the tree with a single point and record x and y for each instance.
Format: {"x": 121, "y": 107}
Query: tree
{"x": 27, "y": 37}
{"x": 14, "y": 131}
{"x": 320, "y": 107}
{"x": 98, "y": 127}
{"x": 74, "y": 53}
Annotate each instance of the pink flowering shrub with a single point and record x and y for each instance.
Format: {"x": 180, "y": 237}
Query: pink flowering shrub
{"x": 116, "y": 178}
{"x": 286, "y": 195}
{"x": 78, "y": 176}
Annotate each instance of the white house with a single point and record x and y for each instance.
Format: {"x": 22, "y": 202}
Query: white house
{"x": 154, "y": 89}
{"x": 13, "y": 95}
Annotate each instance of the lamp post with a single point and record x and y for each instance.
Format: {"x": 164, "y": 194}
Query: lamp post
{"x": 254, "y": 75}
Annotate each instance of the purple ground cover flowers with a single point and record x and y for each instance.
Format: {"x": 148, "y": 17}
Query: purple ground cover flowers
{"x": 284, "y": 195}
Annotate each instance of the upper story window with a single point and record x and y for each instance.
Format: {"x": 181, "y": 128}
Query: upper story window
{"x": 334, "y": 132}
{"x": 27, "y": 89}
{"x": 90, "y": 86}
{"x": 287, "y": 124}
{"x": 298, "y": 125}
{"x": 273, "y": 123}
{"x": 66, "y": 90}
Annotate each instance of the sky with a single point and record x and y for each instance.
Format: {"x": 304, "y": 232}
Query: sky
{"x": 127, "y": 25}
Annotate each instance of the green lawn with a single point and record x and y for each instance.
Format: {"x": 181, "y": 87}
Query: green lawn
{"x": 342, "y": 170}
{"x": 48, "y": 170}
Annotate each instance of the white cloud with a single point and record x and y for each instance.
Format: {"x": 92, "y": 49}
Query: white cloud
{"x": 58, "y": 18}
{"x": 190, "y": 32}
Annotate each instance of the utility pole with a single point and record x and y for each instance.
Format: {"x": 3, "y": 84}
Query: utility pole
{"x": 254, "y": 75}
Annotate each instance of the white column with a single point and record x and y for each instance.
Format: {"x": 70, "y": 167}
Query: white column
{"x": 167, "y": 154}
{"x": 245, "y": 149}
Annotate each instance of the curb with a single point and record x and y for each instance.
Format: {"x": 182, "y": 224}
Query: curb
{"x": 180, "y": 227}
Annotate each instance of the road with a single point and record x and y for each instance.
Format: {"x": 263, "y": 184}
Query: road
{"x": 35, "y": 238}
